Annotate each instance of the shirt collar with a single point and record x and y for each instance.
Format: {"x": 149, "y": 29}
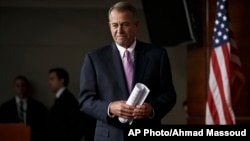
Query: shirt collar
{"x": 18, "y": 99}
{"x": 131, "y": 49}
{"x": 59, "y": 92}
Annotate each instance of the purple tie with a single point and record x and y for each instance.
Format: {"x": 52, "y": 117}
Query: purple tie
{"x": 128, "y": 69}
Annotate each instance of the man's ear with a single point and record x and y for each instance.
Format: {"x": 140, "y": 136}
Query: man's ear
{"x": 62, "y": 81}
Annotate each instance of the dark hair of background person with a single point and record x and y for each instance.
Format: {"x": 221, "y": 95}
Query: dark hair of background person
{"x": 61, "y": 74}
{"x": 22, "y": 78}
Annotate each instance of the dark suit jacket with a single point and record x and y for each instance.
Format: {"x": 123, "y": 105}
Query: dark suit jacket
{"x": 102, "y": 81}
{"x": 36, "y": 117}
{"x": 65, "y": 119}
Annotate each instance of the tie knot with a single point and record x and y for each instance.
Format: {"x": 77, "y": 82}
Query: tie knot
{"x": 126, "y": 54}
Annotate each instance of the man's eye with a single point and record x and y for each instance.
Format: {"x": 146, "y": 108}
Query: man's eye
{"x": 114, "y": 25}
{"x": 125, "y": 24}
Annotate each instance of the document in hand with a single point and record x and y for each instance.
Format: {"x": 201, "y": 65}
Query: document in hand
{"x": 137, "y": 97}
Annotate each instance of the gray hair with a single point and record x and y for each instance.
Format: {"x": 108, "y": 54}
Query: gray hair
{"x": 124, "y": 6}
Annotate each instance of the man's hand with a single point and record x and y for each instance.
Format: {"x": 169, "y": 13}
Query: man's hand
{"x": 143, "y": 111}
{"x": 121, "y": 109}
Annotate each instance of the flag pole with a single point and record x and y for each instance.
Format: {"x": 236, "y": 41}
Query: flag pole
{"x": 207, "y": 42}
{"x": 207, "y": 55}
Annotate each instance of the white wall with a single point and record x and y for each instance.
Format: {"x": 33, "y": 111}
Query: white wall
{"x": 36, "y": 36}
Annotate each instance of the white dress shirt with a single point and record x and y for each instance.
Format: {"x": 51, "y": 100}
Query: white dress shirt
{"x": 59, "y": 92}
{"x": 130, "y": 49}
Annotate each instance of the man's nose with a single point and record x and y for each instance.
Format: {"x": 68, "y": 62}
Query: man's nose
{"x": 120, "y": 29}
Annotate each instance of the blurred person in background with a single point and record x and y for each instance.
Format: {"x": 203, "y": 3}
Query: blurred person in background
{"x": 22, "y": 108}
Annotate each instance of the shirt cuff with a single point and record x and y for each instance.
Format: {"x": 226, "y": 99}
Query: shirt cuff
{"x": 109, "y": 114}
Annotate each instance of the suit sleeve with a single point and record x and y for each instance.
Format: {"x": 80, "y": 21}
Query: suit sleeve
{"x": 90, "y": 102}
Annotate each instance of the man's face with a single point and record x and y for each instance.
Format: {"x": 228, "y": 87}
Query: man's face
{"x": 21, "y": 88}
{"x": 123, "y": 27}
{"x": 54, "y": 83}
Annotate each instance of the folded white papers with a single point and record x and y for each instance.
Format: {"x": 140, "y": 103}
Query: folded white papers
{"x": 137, "y": 97}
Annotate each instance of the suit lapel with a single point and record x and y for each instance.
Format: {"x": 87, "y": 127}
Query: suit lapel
{"x": 116, "y": 68}
{"x": 140, "y": 63}
{"x": 15, "y": 111}
{"x": 115, "y": 65}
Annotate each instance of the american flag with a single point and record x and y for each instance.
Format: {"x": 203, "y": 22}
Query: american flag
{"x": 225, "y": 74}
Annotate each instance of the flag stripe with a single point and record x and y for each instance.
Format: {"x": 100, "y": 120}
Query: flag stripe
{"x": 225, "y": 74}
{"x": 220, "y": 77}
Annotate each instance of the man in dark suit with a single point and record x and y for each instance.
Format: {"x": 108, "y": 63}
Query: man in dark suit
{"x": 103, "y": 86}
{"x": 65, "y": 119}
{"x": 24, "y": 109}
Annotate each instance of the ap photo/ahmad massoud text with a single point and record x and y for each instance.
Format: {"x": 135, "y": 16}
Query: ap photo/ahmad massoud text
{"x": 190, "y": 131}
